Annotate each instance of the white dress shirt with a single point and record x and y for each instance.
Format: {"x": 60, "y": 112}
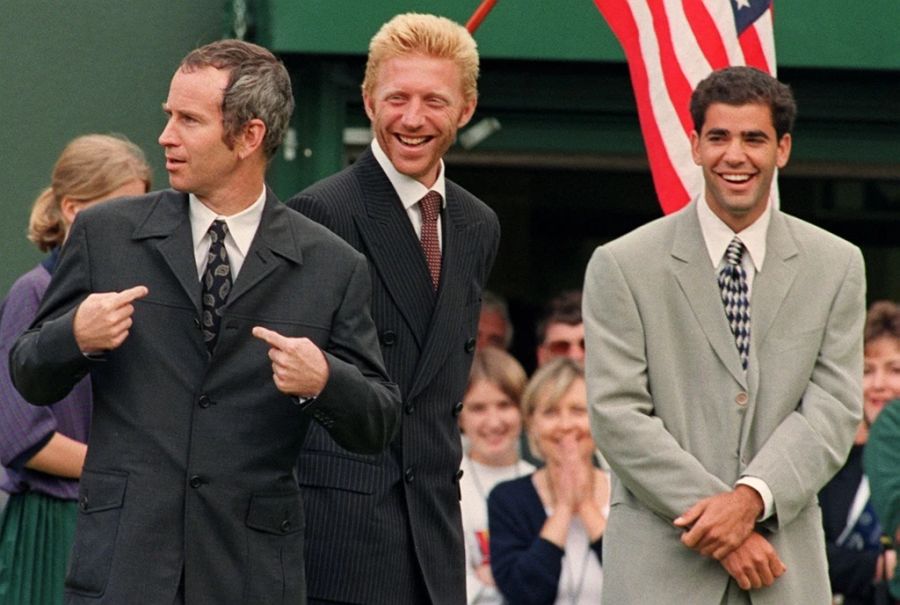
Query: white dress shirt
{"x": 410, "y": 191}
{"x": 717, "y": 235}
{"x": 241, "y": 230}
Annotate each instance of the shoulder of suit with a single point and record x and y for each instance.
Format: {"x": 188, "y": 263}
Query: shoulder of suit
{"x": 469, "y": 202}
{"x": 655, "y": 235}
{"x": 811, "y": 237}
{"x": 310, "y": 233}
{"x": 132, "y": 209}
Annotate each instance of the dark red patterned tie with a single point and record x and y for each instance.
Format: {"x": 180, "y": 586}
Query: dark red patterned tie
{"x": 431, "y": 210}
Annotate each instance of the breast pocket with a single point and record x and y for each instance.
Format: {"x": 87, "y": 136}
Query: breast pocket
{"x": 102, "y": 495}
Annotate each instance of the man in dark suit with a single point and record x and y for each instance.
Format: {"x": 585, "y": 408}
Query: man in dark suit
{"x": 391, "y": 523}
{"x": 204, "y": 388}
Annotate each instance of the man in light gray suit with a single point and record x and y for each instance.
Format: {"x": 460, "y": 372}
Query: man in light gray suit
{"x": 721, "y": 422}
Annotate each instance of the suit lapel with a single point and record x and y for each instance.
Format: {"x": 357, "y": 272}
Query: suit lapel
{"x": 169, "y": 221}
{"x": 456, "y": 259}
{"x": 393, "y": 247}
{"x": 697, "y": 278}
{"x": 771, "y": 285}
{"x": 274, "y": 241}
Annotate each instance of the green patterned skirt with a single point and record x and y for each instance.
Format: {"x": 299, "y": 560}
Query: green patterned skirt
{"x": 36, "y": 534}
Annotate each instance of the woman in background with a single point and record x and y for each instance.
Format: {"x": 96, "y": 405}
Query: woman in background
{"x": 546, "y": 529}
{"x": 492, "y": 423}
{"x": 858, "y": 565}
{"x": 43, "y": 448}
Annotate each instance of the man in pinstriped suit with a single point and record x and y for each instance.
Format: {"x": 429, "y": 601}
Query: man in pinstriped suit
{"x": 387, "y": 528}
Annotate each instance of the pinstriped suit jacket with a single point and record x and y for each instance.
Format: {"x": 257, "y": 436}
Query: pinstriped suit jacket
{"x": 375, "y": 522}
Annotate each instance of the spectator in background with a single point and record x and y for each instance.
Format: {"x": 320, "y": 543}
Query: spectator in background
{"x": 857, "y": 562}
{"x": 43, "y": 448}
{"x": 546, "y": 528}
{"x": 492, "y": 421}
{"x": 560, "y": 330}
{"x": 494, "y": 326}
{"x": 881, "y": 459}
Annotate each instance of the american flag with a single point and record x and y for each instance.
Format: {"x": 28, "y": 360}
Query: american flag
{"x": 670, "y": 46}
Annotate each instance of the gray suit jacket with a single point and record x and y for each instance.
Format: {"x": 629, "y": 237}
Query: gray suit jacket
{"x": 191, "y": 457}
{"x": 678, "y": 419}
{"x": 393, "y": 521}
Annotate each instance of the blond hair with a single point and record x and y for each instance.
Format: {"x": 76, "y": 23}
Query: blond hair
{"x": 429, "y": 35}
{"x": 499, "y": 368}
{"x": 547, "y": 387}
{"x": 90, "y": 167}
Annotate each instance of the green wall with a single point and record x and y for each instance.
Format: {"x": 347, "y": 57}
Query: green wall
{"x": 809, "y": 33}
{"x": 68, "y": 68}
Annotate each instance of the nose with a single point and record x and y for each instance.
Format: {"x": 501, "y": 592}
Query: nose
{"x": 412, "y": 114}
{"x": 167, "y": 136}
{"x": 734, "y": 151}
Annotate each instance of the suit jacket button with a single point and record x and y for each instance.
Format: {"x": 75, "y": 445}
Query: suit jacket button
{"x": 409, "y": 408}
{"x": 83, "y": 503}
{"x": 285, "y": 526}
{"x": 197, "y": 323}
{"x": 470, "y": 345}
{"x": 458, "y": 475}
{"x": 409, "y": 475}
{"x": 741, "y": 398}
{"x": 204, "y": 401}
{"x": 458, "y": 408}
{"x": 388, "y": 338}
{"x": 196, "y": 481}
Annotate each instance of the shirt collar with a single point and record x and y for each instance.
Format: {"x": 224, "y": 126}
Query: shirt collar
{"x": 242, "y": 226}
{"x": 408, "y": 189}
{"x": 717, "y": 235}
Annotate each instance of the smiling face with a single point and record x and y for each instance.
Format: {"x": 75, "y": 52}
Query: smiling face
{"x": 739, "y": 151}
{"x": 881, "y": 375}
{"x": 492, "y": 422}
{"x": 551, "y": 423}
{"x": 416, "y": 107}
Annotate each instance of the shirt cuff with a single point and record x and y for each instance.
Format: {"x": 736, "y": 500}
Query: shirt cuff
{"x": 764, "y": 492}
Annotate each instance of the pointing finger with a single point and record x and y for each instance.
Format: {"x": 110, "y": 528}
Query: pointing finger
{"x": 270, "y": 337}
{"x": 130, "y": 295}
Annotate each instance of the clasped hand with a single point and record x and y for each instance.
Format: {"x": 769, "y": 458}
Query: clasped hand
{"x": 721, "y": 527}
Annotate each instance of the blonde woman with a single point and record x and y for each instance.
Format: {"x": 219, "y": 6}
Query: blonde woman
{"x": 546, "y": 528}
{"x": 43, "y": 448}
{"x": 491, "y": 421}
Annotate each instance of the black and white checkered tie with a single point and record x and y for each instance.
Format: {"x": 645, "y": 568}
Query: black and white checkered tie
{"x": 735, "y": 296}
{"x": 216, "y": 283}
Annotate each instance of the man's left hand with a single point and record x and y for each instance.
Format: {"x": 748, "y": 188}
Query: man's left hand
{"x": 719, "y": 524}
{"x": 299, "y": 367}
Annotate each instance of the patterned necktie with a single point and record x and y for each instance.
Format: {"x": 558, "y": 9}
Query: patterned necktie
{"x": 431, "y": 209}
{"x": 733, "y": 284}
{"x": 216, "y": 283}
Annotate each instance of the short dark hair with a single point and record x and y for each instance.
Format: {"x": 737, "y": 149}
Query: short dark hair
{"x": 258, "y": 87}
{"x": 740, "y": 85}
{"x": 882, "y": 321}
{"x": 565, "y": 308}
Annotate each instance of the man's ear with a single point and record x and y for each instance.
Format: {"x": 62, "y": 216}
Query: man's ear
{"x": 251, "y": 137}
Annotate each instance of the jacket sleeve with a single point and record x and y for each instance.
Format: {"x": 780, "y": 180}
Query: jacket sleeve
{"x": 359, "y": 406}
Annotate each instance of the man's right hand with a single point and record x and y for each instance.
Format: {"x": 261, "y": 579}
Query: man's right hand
{"x": 102, "y": 320}
{"x": 754, "y": 564}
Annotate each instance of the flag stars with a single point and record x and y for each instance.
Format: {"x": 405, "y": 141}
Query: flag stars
{"x": 742, "y": 4}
